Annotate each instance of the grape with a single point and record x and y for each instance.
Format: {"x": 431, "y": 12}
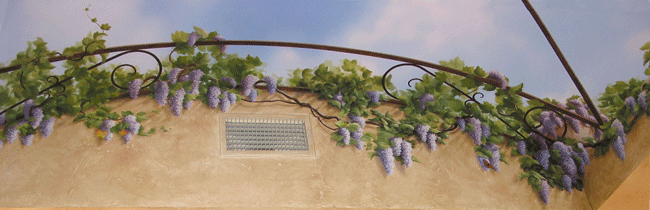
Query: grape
{"x": 618, "y": 147}
{"x": 161, "y": 91}
{"x": 481, "y": 162}
{"x": 387, "y": 159}
{"x": 224, "y": 105}
{"x": 564, "y": 151}
{"x": 346, "y": 135}
{"x": 357, "y": 137}
{"x": 641, "y": 99}
{"x": 12, "y": 134}
{"x": 27, "y": 139}
{"x": 134, "y": 88}
{"x": 127, "y": 137}
{"x": 1, "y": 143}
{"x": 196, "y": 75}
{"x": 630, "y": 103}
{"x": 2, "y": 119}
{"x": 539, "y": 140}
{"x": 556, "y": 119}
{"x": 574, "y": 123}
{"x": 221, "y": 47}
{"x": 47, "y": 126}
{"x": 248, "y": 83}
{"x": 173, "y": 75}
{"x": 177, "y": 101}
{"x": 271, "y": 84}
{"x": 397, "y": 145}
{"x": 108, "y": 137}
{"x": 191, "y": 39}
{"x": 233, "y": 97}
{"x": 422, "y": 131}
{"x": 426, "y": 98}
{"x": 584, "y": 155}
{"x": 476, "y": 133}
{"x": 548, "y": 124}
{"x": 230, "y": 80}
{"x": 569, "y": 167}
{"x": 361, "y": 145}
{"x": 37, "y": 114}
{"x": 373, "y": 96}
{"x": 461, "y": 123}
{"x": 252, "y": 96}
{"x": 542, "y": 157}
{"x": 184, "y": 78}
{"x": 597, "y": 133}
{"x": 27, "y": 107}
{"x": 130, "y": 119}
{"x": 339, "y": 97}
{"x": 431, "y": 141}
{"x": 576, "y": 103}
{"x": 582, "y": 111}
{"x": 620, "y": 131}
{"x": 496, "y": 156}
{"x": 213, "y": 96}
{"x": 407, "y": 150}
{"x": 566, "y": 182}
{"x": 359, "y": 120}
{"x": 499, "y": 78}
{"x": 107, "y": 124}
{"x": 521, "y": 147}
{"x": 485, "y": 130}
{"x": 133, "y": 128}
{"x": 187, "y": 104}
{"x": 544, "y": 192}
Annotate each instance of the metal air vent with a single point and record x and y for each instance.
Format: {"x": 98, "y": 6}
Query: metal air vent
{"x": 266, "y": 134}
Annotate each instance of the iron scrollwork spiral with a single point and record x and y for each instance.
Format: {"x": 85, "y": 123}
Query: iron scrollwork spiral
{"x": 534, "y": 129}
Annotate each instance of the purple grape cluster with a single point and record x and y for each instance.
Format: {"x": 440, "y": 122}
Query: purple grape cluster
{"x": 549, "y": 122}
{"x": 12, "y": 134}
{"x": 481, "y": 162}
{"x": 127, "y": 137}
{"x": 252, "y": 96}
{"x": 184, "y": 78}
{"x": 2, "y": 119}
{"x": 233, "y": 97}
{"x": 247, "y": 84}
{"x": 620, "y": 131}
{"x": 373, "y": 96}
{"x": 476, "y": 133}
{"x": 37, "y": 114}
{"x": 221, "y": 47}
{"x": 424, "y": 99}
{"x": 568, "y": 164}
{"x": 339, "y": 97}
{"x": 133, "y": 128}
{"x": 224, "y": 104}
{"x": 539, "y": 139}
{"x": 641, "y": 100}
{"x": 161, "y": 91}
{"x": 544, "y": 191}
{"x": 357, "y": 137}
{"x": 387, "y": 159}
{"x": 346, "y": 135}
{"x": 461, "y": 123}
{"x": 1, "y": 143}
{"x": 630, "y": 102}
{"x": 584, "y": 155}
{"x": 134, "y": 88}
{"x": 230, "y": 81}
{"x": 271, "y": 84}
{"x": 618, "y": 147}
{"x": 27, "y": 139}
{"x": 27, "y": 107}
{"x": 359, "y": 120}
{"x": 47, "y": 126}
{"x": 499, "y": 78}
{"x": 397, "y": 145}
{"x": 173, "y": 75}
{"x": 566, "y": 182}
{"x": 213, "y": 96}
{"x": 431, "y": 141}
{"x": 191, "y": 39}
{"x": 574, "y": 123}
{"x": 407, "y": 153}
{"x": 176, "y": 101}
{"x": 187, "y": 104}
{"x": 521, "y": 147}
{"x": 107, "y": 124}
{"x": 195, "y": 77}
{"x": 485, "y": 130}
{"x": 496, "y": 156}
{"x": 542, "y": 157}
{"x": 421, "y": 130}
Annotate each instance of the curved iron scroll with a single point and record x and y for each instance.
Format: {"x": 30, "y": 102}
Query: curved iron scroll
{"x": 60, "y": 83}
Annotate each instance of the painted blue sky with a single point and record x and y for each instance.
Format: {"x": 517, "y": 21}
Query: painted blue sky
{"x": 600, "y": 38}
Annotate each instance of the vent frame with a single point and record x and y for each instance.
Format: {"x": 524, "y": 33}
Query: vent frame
{"x": 222, "y": 140}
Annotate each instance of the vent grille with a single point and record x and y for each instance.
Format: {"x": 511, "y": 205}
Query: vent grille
{"x": 251, "y": 134}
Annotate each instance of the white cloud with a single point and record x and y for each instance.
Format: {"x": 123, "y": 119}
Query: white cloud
{"x": 634, "y": 43}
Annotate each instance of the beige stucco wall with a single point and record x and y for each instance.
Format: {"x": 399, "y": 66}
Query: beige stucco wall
{"x": 607, "y": 173}
{"x": 183, "y": 168}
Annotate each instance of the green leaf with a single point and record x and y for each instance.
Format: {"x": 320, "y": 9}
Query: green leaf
{"x": 94, "y": 20}
{"x": 341, "y": 124}
{"x": 105, "y": 27}
{"x": 516, "y": 89}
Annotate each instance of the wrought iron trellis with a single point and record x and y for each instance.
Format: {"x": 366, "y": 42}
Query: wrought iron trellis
{"x": 407, "y": 61}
